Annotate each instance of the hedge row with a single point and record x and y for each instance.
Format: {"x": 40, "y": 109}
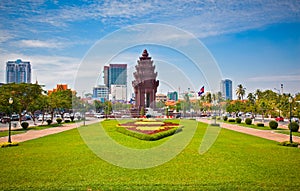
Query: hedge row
{"x": 147, "y": 137}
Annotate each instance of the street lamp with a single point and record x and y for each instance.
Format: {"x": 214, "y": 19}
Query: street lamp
{"x": 291, "y": 135}
{"x": 10, "y": 101}
{"x": 84, "y": 114}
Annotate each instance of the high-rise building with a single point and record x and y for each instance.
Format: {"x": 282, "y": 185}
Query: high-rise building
{"x": 226, "y": 89}
{"x": 173, "y": 96}
{"x": 18, "y": 71}
{"x": 118, "y": 92}
{"x": 115, "y": 74}
{"x": 100, "y": 93}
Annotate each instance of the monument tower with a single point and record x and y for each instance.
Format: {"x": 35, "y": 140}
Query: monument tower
{"x": 145, "y": 83}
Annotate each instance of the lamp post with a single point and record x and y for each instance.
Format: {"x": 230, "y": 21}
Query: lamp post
{"x": 10, "y": 101}
{"x": 291, "y": 135}
{"x": 84, "y": 114}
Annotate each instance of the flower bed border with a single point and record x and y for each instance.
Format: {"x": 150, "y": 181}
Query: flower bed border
{"x": 149, "y": 137}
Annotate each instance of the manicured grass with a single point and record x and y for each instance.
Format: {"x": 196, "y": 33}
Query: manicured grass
{"x": 235, "y": 162}
{"x": 287, "y": 132}
{"x": 254, "y": 126}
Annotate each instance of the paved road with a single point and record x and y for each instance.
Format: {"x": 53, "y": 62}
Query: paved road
{"x": 33, "y": 134}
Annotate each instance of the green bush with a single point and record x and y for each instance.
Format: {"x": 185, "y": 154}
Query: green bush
{"x": 24, "y": 125}
{"x": 6, "y": 144}
{"x": 294, "y": 126}
{"x": 238, "y": 120}
{"x": 72, "y": 118}
{"x": 49, "y": 121}
{"x": 225, "y": 118}
{"x": 231, "y": 120}
{"x": 288, "y": 144}
{"x": 214, "y": 117}
{"x": 67, "y": 120}
{"x": 273, "y": 124}
{"x": 260, "y": 125}
{"x": 59, "y": 120}
{"x": 248, "y": 121}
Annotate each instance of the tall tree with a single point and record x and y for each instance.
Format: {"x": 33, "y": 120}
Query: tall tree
{"x": 23, "y": 95}
{"x": 240, "y": 91}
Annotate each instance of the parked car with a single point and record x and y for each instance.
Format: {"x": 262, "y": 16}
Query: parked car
{"x": 15, "y": 117}
{"x": 26, "y": 117}
{"x": 4, "y": 119}
{"x": 295, "y": 119}
{"x": 279, "y": 118}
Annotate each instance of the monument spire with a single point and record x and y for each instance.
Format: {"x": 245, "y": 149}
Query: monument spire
{"x": 145, "y": 83}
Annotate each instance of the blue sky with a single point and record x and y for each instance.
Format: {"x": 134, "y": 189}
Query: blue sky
{"x": 255, "y": 43}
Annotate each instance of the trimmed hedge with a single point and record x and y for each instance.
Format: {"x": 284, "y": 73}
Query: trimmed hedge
{"x": 248, "y": 121}
{"x": 238, "y": 120}
{"x": 225, "y": 118}
{"x": 273, "y": 124}
{"x": 288, "y": 144}
{"x": 294, "y": 126}
{"x": 2, "y": 145}
{"x": 148, "y": 137}
{"x": 25, "y": 125}
{"x": 49, "y": 121}
{"x": 59, "y": 120}
{"x": 260, "y": 125}
{"x": 231, "y": 120}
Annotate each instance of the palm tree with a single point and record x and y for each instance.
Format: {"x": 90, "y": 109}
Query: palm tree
{"x": 240, "y": 91}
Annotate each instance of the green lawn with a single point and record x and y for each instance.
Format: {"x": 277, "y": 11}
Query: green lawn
{"x": 235, "y": 162}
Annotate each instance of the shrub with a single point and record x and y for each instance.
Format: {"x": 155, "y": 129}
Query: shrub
{"x": 214, "y": 117}
{"x": 225, "y": 118}
{"x": 260, "y": 125}
{"x": 273, "y": 124}
{"x": 67, "y": 121}
{"x": 231, "y": 120}
{"x": 49, "y": 121}
{"x": 238, "y": 120}
{"x": 248, "y": 121}
{"x": 72, "y": 118}
{"x": 294, "y": 126}
{"x": 59, "y": 120}
{"x": 6, "y": 144}
{"x": 288, "y": 144}
{"x": 25, "y": 125}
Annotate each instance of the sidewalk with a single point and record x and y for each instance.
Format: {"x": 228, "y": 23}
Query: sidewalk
{"x": 266, "y": 134}
{"x": 34, "y": 134}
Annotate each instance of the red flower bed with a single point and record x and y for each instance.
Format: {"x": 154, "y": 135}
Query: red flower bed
{"x": 133, "y": 126}
{"x": 149, "y": 132}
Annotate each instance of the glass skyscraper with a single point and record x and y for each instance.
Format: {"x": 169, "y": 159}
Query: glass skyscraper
{"x": 18, "y": 72}
{"x": 226, "y": 89}
{"x": 115, "y": 74}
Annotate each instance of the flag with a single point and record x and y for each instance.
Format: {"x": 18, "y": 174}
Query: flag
{"x": 201, "y": 91}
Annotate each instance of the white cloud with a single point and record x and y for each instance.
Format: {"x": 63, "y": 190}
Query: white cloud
{"x": 39, "y": 44}
{"x": 5, "y": 36}
{"x": 48, "y": 70}
{"x": 277, "y": 78}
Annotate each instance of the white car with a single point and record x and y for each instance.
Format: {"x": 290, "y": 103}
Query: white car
{"x": 295, "y": 119}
